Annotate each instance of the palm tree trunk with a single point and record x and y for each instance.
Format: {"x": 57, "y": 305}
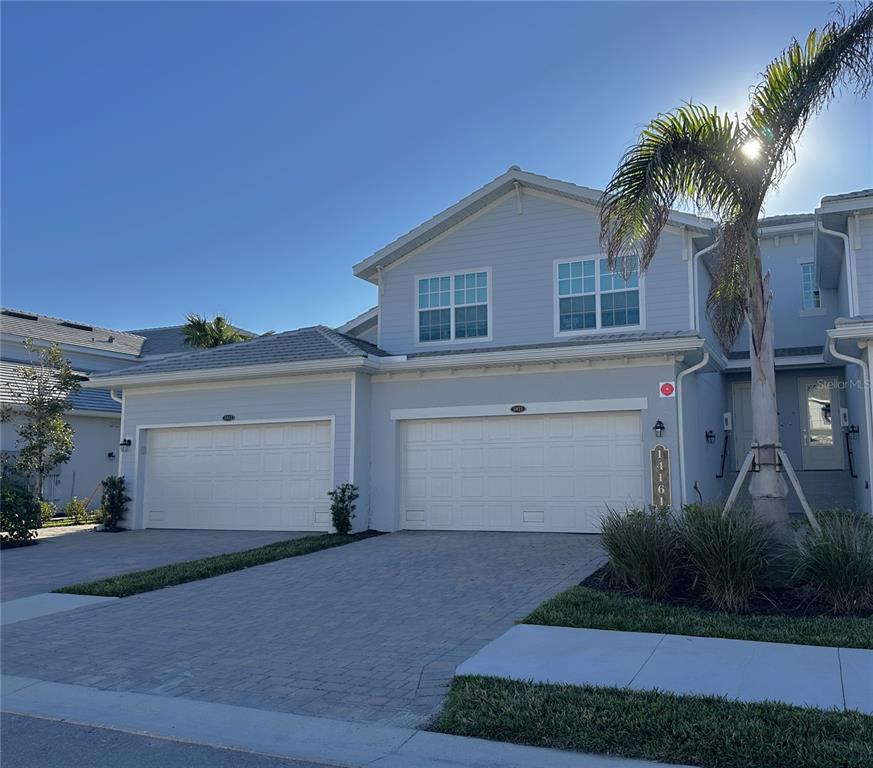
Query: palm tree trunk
{"x": 767, "y": 487}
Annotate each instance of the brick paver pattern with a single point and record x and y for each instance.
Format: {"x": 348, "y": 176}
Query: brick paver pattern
{"x": 371, "y": 631}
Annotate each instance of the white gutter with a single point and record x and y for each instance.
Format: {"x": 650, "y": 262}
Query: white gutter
{"x": 117, "y": 398}
{"x": 868, "y": 407}
{"x": 851, "y": 286}
{"x": 696, "y": 292}
{"x": 680, "y": 423}
{"x": 399, "y": 363}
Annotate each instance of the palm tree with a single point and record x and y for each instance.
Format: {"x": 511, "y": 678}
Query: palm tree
{"x": 204, "y": 334}
{"x": 726, "y": 165}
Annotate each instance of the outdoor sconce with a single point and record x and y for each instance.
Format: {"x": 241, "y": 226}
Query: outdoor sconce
{"x": 659, "y": 428}
{"x": 124, "y": 444}
{"x": 710, "y": 436}
{"x": 110, "y": 455}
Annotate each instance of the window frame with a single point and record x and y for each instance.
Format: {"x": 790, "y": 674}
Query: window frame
{"x": 556, "y": 300}
{"x": 489, "y": 303}
{"x": 811, "y": 311}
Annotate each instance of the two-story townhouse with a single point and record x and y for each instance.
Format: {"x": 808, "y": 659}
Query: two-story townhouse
{"x": 506, "y": 380}
{"x": 95, "y": 416}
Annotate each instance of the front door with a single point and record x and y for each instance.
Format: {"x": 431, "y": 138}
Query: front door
{"x": 820, "y": 423}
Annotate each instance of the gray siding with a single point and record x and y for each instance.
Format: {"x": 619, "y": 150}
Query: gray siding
{"x": 637, "y": 381}
{"x": 864, "y": 265}
{"x": 521, "y": 249}
{"x": 793, "y": 326}
{"x": 252, "y": 401}
{"x": 704, "y": 400}
{"x": 853, "y": 399}
{"x": 362, "y": 387}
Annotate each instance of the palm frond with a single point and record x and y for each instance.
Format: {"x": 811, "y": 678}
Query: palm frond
{"x": 801, "y": 82}
{"x": 690, "y": 154}
{"x": 728, "y": 300}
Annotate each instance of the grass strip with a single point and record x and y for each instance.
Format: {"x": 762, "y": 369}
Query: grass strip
{"x": 127, "y": 584}
{"x": 584, "y": 607}
{"x": 694, "y": 730}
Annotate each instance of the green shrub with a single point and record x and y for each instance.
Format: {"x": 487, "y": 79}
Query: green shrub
{"x": 77, "y": 511}
{"x": 47, "y": 510}
{"x": 113, "y": 502}
{"x": 728, "y": 552}
{"x": 643, "y": 547}
{"x": 19, "y": 510}
{"x": 342, "y": 507}
{"x": 839, "y": 560}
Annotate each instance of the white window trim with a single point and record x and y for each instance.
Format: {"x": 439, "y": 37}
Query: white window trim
{"x": 451, "y": 275}
{"x": 812, "y": 311}
{"x": 556, "y": 301}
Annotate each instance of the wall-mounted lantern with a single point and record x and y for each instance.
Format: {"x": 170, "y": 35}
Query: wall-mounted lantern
{"x": 110, "y": 455}
{"x": 659, "y": 428}
{"x": 710, "y": 436}
{"x": 125, "y": 444}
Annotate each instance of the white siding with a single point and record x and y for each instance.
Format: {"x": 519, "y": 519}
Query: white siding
{"x": 864, "y": 264}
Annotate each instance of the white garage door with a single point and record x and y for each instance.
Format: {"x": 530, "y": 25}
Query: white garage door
{"x": 265, "y": 477}
{"x": 520, "y": 473}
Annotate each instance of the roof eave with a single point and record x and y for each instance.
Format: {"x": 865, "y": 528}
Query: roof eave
{"x": 120, "y": 381}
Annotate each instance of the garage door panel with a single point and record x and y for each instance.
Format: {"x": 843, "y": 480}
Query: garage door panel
{"x": 257, "y": 477}
{"x": 551, "y": 473}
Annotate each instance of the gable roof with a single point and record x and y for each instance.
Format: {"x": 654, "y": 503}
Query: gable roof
{"x": 316, "y": 342}
{"x": 494, "y": 190}
{"x": 31, "y": 325}
{"x": 366, "y": 319}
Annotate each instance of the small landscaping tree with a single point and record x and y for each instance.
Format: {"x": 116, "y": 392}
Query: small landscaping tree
{"x": 45, "y": 439}
{"x": 342, "y": 507}
{"x": 113, "y": 503}
{"x": 77, "y": 510}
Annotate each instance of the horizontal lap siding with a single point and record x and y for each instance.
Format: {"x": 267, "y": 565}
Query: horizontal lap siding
{"x": 273, "y": 401}
{"x": 521, "y": 250}
{"x": 864, "y": 265}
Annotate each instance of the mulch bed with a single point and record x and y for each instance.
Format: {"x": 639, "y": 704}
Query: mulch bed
{"x": 795, "y": 601}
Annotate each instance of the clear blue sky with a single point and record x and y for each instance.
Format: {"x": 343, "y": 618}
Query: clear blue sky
{"x": 161, "y": 158}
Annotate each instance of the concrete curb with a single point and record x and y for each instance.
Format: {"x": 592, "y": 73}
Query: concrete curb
{"x": 296, "y": 737}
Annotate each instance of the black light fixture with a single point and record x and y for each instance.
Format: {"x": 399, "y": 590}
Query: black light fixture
{"x": 659, "y": 428}
{"x": 124, "y": 444}
{"x": 853, "y": 431}
{"x": 710, "y": 436}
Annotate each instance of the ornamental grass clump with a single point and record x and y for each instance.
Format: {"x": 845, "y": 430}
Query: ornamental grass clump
{"x": 643, "y": 547}
{"x": 727, "y": 552}
{"x": 838, "y": 560}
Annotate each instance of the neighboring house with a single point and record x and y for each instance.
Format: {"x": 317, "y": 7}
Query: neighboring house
{"x": 508, "y": 380}
{"x": 95, "y": 416}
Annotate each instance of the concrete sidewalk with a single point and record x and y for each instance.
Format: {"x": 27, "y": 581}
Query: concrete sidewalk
{"x": 297, "y": 737}
{"x": 743, "y": 670}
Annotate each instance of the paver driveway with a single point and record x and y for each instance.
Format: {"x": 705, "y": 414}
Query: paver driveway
{"x": 59, "y": 561}
{"x": 369, "y": 631}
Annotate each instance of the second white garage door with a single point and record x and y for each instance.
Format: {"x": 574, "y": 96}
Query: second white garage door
{"x": 260, "y": 477}
{"x": 520, "y": 473}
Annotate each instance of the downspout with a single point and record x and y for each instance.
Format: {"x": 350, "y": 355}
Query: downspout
{"x": 115, "y": 397}
{"x": 119, "y": 399}
{"x": 850, "y": 266}
{"x": 868, "y": 407}
{"x": 694, "y": 259}
{"x": 680, "y": 422}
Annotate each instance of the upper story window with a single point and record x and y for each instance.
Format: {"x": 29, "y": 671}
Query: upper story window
{"x": 453, "y": 307}
{"x": 591, "y": 296}
{"x": 811, "y": 296}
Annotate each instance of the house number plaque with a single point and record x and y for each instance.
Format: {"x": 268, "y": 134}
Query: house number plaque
{"x": 661, "y": 491}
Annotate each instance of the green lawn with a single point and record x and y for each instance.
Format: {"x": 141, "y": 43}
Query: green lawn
{"x": 57, "y": 522}
{"x": 695, "y": 730}
{"x": 584, "y": 607}
{"x": 128, "y": 584}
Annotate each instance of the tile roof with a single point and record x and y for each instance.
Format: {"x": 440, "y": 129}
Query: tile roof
{"x": 313, "y": 343}
{"x": 169, "y": 340}
{"x": 53, "y": 329}
{"x": 578, "y": 341}
{"x": 12, "y": 391}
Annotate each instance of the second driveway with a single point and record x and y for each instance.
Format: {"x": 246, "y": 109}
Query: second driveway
{"x": 369, "y": 631}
